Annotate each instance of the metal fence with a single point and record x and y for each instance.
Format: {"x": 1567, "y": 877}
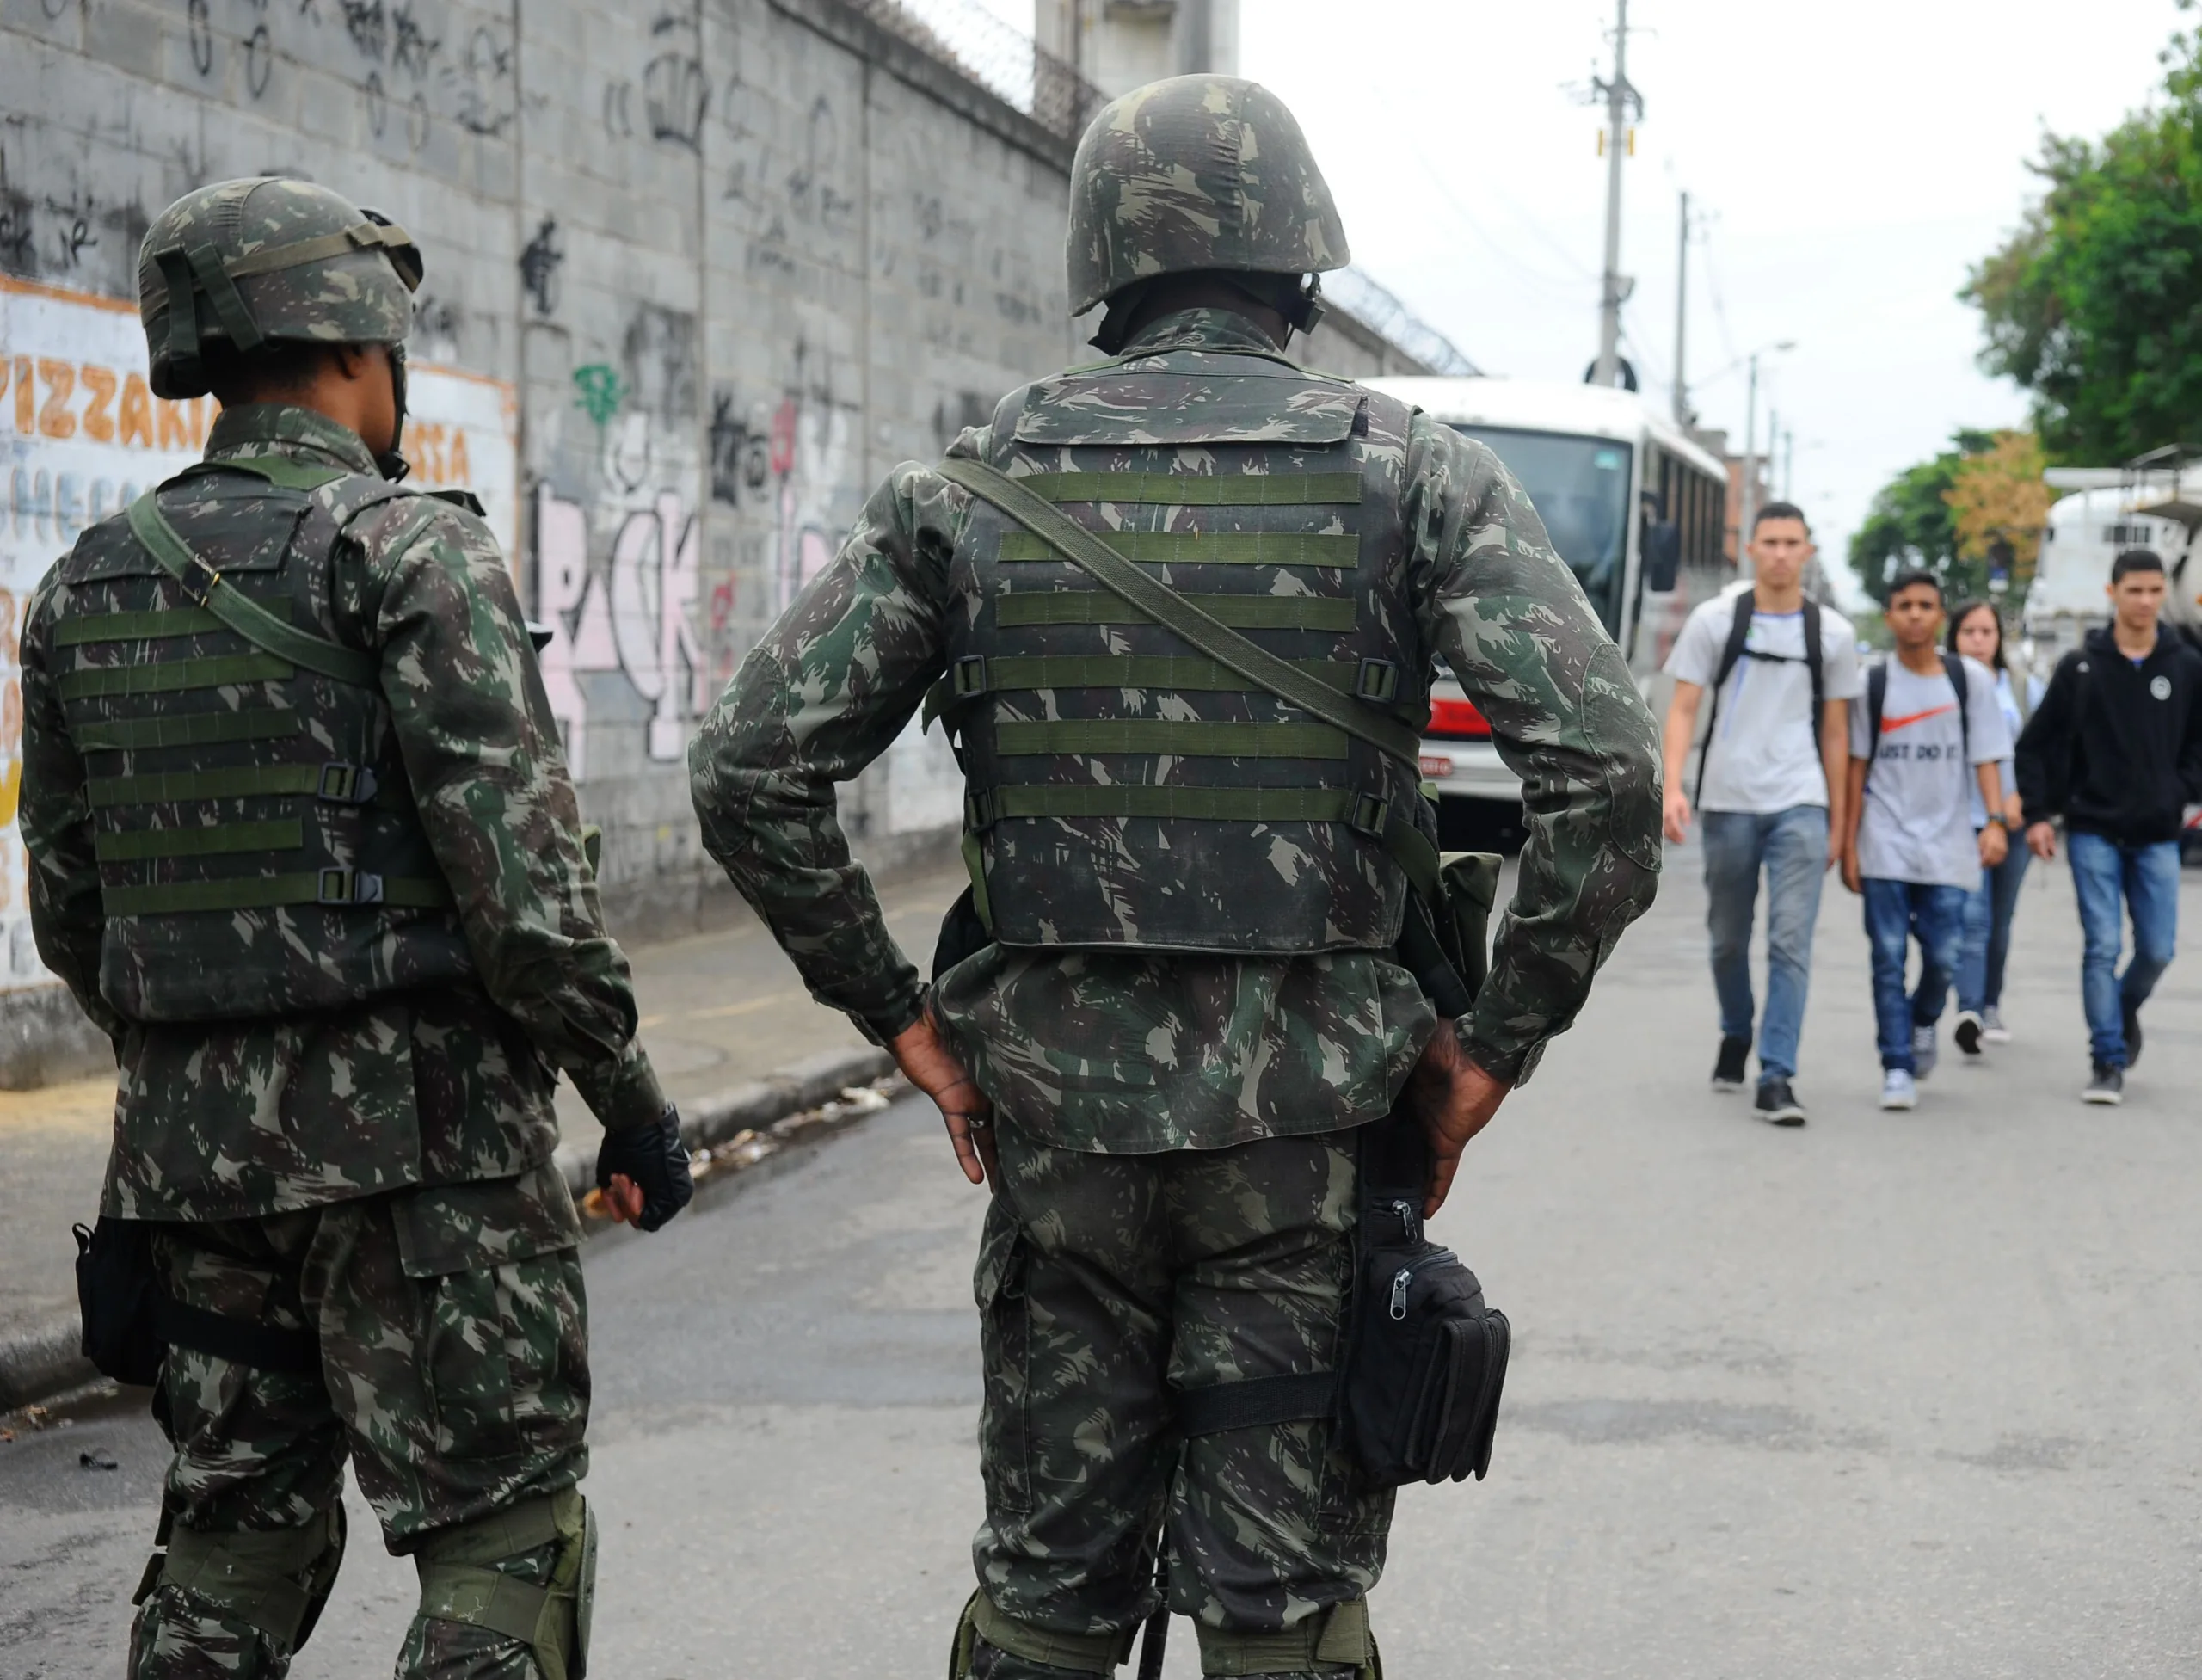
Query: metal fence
{"x": 1376, "y": 307}
{"x": 997, "y": 55}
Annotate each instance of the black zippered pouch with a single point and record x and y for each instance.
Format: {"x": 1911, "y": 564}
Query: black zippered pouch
{"x": 1427, "y": 1361}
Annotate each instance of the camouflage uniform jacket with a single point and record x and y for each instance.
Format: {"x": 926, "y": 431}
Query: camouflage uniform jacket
{"x": 220, "y": 1120}
{"x": 1119, "y": 1051}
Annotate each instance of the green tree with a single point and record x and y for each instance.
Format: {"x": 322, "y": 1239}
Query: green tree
{"x": 1911, "y": 524}
{"x": 2095, "y": 304}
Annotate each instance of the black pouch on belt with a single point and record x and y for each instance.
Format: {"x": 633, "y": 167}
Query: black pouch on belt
{"x": 1427, "y": 1358}
{"x": 116, "y": 1295}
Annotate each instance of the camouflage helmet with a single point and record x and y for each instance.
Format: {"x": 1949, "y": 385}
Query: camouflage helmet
{"x": 267, "y": 259}
{"x": 1195, "y": 172}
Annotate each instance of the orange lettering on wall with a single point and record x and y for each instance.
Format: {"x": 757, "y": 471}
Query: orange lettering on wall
{"x": 11, "y": 784}
{"x": 99, "y": 388}
{"x": 137, "y": 423}
{"x": 11, "y": 719}
{"x": 176, "y": 422}
{"x": 26, "y": 397}
{"x": 54, "y": 420}
{"x": 460, "y": 472}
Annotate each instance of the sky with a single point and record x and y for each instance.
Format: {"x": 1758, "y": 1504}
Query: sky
{"x": 1853, "y": 162}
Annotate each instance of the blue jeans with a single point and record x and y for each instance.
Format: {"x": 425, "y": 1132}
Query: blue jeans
{"x": 1791, "y": 846}
{"x": 2147, "y": 878}
{"x": 1988, "y": 930}
{"x": 1896, "y": 913}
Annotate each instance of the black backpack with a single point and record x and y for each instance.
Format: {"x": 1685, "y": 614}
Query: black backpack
{"x": 1877, "y": 692}
{"x": 1739, "y": 629}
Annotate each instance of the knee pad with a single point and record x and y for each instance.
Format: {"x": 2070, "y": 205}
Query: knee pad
{"x": 273, "y": 1582}
{"x": 461, "y": 1581}
{"x": 983, "y": 1632}
{"x": 1335, "y": 1645}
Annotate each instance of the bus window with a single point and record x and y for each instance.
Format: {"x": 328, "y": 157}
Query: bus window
{"x": 1580, "y": 488}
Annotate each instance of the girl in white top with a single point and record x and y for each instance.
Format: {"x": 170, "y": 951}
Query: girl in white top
{"x": 1977, "y": 633}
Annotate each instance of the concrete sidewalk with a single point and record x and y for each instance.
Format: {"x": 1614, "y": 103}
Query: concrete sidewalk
{"x": 734, "y": 1037}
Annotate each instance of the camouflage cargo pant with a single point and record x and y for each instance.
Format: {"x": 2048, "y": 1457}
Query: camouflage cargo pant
{"x": 454, "y": 1376}
{"x": 1103, "y": 1281}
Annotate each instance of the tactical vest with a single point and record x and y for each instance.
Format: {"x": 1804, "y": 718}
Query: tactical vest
{"x": 260, "y": 852}
{"x": 1123, "y": 790}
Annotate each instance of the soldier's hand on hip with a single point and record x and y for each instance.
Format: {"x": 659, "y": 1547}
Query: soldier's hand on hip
{"x": 1454, "y": 1099}
{"x": 643, "y": 1172}
{"x": 921, "y": 1051}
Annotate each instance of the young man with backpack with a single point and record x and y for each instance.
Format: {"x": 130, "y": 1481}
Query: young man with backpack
{"x": 1781, "y": 671}
{"x": 1930, "y": 727}
{"x": 2115, "y": 748}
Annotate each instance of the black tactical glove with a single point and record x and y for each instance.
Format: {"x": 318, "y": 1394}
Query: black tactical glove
{"x": 655, "y": 1159}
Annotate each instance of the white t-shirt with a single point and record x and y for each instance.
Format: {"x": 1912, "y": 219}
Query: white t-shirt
{"x": 1765, "y": 755}
{"x": 1918, "y": 823}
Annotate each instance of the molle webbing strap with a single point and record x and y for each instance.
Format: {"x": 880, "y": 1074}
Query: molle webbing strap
{"x": 1255, "y": 1401}
{"x": 334, "y": 888}
{"x": 1170, "y": 737}
{"x": 969, "y": 678}
{"x": 1337, "y": 552}
{"x": 339, "y": 784}
{"x": 1205, "y": 630}
{"x": 155, "y": 626}
{"x": 246, "y": 617}
{"x": 1089, "y": 606}
{"x": 1241, "y": 489}
{"x": 175, "y": 677}
{"x": 198, "y": 729}
{"x": 1212, "y": 804}
{"x": 133, "y": 845}
{"x": 359, "y": 237}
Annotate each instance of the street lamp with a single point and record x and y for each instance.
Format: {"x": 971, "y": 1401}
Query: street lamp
{"x": 1750, "y": 454}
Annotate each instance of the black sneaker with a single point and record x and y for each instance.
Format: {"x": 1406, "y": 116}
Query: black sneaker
{"x": 1968, "y": 1032}
{"x": 1728, "y": 1070}
{"x": 2131, "y": 1011}
{"x": 2107, "y": 1087}
{"x": 1777, "y": 1104}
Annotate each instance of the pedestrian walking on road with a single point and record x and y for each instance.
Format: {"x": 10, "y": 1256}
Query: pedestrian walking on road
{"x": 1976, "y": 631}
{"x": 1924, "y": 746}
{"x": 1172, "y": 1008}
{"x": 2115, "y": 749}
{"x": 302, "y": 840}
{"x": 1782, "y": 670}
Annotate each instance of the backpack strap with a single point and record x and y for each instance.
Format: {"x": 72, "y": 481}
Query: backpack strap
{"x": 1812, "y": 664}
{"x": 1954, "y": 667}
{"x": 1877, "y": 696}
{"x": 1731, "y": 655}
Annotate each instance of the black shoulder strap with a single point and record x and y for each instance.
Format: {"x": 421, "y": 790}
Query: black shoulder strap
{"x": 1739, "y": 631}
{"x": 1953, "y": 664}
{"x": 1812, "y": 664}
{"x": 264, "y": 1346}
{"x": 1877, "y": 696}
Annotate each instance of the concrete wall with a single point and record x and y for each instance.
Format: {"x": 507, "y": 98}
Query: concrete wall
{"x": 717, "y": 264}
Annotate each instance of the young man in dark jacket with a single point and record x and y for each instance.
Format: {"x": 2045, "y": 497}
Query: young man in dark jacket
{"x": 2115, "y": 748}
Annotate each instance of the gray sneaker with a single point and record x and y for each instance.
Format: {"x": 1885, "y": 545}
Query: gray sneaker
{"x": 2107, "y": 1087}
{"x": 1924, "y": 1052}
{"x": 1992, "y": 1030}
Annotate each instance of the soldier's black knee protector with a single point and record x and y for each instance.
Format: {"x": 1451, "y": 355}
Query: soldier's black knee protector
{"x": 461, "y": 1581}
{"x": 261, "y": 1590}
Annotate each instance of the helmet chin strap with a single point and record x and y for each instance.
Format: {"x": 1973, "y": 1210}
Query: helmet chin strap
{"x": 390, "y": 464}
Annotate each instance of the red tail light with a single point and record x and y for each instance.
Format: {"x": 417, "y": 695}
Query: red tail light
{"x": 1457, "y": 720}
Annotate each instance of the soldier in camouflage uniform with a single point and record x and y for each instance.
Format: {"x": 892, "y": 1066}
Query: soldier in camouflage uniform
{"x": 1188, "y": 997}
{"x": 303, "y": 842}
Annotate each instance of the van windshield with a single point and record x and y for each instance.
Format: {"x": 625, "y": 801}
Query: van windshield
{"x": 1580, "y": 488}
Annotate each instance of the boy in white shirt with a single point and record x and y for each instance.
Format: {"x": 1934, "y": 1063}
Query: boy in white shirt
{"x": 1781, "y": 671}
{"x": 1930, "y": 729}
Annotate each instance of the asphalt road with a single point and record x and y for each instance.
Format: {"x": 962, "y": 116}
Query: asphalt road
{"x": 1894, "y": 1395}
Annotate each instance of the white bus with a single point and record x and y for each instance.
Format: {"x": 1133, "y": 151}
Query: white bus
{"x": 1637, "y": 510}
{"x": 2110, "y": 509}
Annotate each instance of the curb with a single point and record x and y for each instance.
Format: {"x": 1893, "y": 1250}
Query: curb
{"x": 733, "y": 1130}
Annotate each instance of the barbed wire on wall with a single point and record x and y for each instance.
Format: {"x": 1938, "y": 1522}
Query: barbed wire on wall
{"x": 997, "y": 55}
{"x": 1377, "y": 307}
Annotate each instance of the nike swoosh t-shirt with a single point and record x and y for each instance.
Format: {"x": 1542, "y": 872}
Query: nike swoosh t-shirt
{"x": 1918, "y": 823}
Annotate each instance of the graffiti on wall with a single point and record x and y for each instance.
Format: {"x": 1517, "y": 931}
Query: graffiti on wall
{"x": 82, "y": 435}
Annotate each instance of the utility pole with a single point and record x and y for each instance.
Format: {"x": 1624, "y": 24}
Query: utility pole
{"x": 1744, "y": 510}
{"x": 1681, "y": 320}
{"x": 1789, "y": 466}
{"x": 1619, "y": 96}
